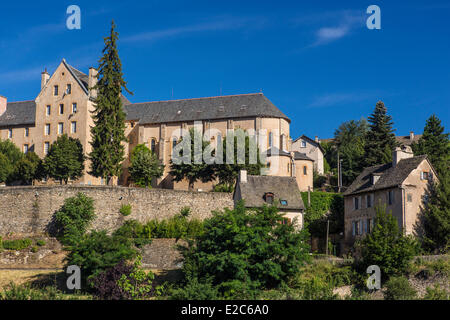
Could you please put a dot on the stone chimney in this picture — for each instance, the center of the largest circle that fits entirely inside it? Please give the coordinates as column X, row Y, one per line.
column 411, row 136
column 400, row 153
column 45, row 76
column 243, row 176
column 316, row 139
column 92, row 81
column 3, row 103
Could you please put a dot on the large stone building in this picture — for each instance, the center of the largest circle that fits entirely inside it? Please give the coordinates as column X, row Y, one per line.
column 65, row 103
column 400, row 185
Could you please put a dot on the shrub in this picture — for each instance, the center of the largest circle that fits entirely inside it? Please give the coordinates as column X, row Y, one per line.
column 40, row 242
column 34, row 249
column 399, row 288
column 138, row 233
column 106, row 285
column 125, row 209
column 436, row 293
column 317, row 289
column 17, row 245
column 73, row 219
column 223, row 187
column 26, row 292
column 195, row 290
column 138, row 283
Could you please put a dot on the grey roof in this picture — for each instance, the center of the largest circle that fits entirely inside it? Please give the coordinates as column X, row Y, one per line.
column 222, row 107
column 297, row 155
column 406, row 140
column 389, row 176
column 283, row 188
column 301, row 156
column 19, row 113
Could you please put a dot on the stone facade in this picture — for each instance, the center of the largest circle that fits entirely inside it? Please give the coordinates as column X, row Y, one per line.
column 28, row 210
column 312, row 149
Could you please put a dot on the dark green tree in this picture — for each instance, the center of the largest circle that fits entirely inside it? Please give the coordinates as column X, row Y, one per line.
column 386, row 246
column 183, row 161
column 28, row 168
column 435, row 218
column 108, row 132
column 145, row 166
column 65, row 159
column 10, row 155
column 434, row 143
column 6, row 168
column 380, row 139
column 229, row 170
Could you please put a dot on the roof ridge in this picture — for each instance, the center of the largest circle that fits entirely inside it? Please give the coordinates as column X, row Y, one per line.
column 232, row 95
column 20, row 101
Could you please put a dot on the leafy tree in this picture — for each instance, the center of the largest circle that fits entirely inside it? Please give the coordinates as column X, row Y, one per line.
column 380, row 139
column 187, row 168
column 28, row 168
column 108, row 131
column 248, row 246
column 229, row 170
column 6, row 168
column 10, row 155
column 434, row 143
column 137, row 283
column 65, row 159
column 73, row 218
column 386, row 246
column 435, row 218
column 145, row 166
column 349, row 140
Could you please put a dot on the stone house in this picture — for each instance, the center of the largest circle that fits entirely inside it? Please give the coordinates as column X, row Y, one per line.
column 400, row 185
column 65, row 102
column 312, row 149
column 257, row 191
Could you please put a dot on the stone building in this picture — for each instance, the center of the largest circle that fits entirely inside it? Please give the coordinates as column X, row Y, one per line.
column 283, row 192
column 65, row 102
column 400, row 185
column 312, row 149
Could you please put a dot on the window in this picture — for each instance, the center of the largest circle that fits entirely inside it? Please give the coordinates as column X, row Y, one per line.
column 409, row 197
column 25, row 148
column 48, row 110
column 74, row 108
column 288, row 167
column 270, row 139
column 303, row 144
column 60, row 128
column 305, row 170
column 55, row 90
column 73, row 127
column 174, row 143
column 369, row 223
column 9, row 133
column 219, row 139
column 47, row 129
column 27, row 132
column 46, row 147
column 391, row 197
column 153, row 145
column 424, row 175
column 69, row 89
column 369, row 200
column 356, row 203
column 353, row 228
column 365, row 226
column 283, row 202
column 357, row 231
column 268, row 165
column 268, row 197
column 61, row 109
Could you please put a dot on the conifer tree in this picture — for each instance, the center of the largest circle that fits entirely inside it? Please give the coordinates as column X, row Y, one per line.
column 434, row 143
column 108, row 132
column 380, row 139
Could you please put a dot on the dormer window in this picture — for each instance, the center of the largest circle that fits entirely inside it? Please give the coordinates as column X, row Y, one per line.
column 303, row 144
column 424, row 175
column 374, row 179
column 268, row 197
column 283, row 202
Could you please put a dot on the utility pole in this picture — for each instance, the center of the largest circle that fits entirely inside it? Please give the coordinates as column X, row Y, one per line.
column 339, row 172
column 328, row 230
column 309, row 196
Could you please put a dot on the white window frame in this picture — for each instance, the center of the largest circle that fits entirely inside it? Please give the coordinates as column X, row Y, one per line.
column 10, row 133
column 60, row 128
column 74, row 107
column 47, row 129
column 73, row 127
column 46, row 147
column 48, row 110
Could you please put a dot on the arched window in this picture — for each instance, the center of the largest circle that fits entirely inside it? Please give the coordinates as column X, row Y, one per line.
column 270, row 139
column 153, row 145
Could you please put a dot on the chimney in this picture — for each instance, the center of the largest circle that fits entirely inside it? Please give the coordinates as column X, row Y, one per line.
column 3, row 103
column 411, row 136
column 45, row 76
column 316, row 139
column 400, row 153
column 243, row 176
column 92, row 81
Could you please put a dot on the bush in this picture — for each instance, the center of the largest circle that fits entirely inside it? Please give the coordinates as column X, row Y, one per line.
column 138, row 283
column 135, row 231
column 223, row 187
column 398, row 288
column 125, row 209
column 73, row 219
column 317, row 289
column 436, row 293
column 193, row 289
column 40, row 242
column 106, row 285
column 17, row 245
column 26, row 292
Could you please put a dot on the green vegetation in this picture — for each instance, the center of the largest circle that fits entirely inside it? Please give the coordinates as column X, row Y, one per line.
column 18, row 244
column 145, row 166
column 436, row 293
column 125, row 209
column 398, row 288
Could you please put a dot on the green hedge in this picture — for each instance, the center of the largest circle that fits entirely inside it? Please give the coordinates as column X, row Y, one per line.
column 18, row 244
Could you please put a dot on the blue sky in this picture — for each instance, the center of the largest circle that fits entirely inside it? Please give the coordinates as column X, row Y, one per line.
column 315, row 60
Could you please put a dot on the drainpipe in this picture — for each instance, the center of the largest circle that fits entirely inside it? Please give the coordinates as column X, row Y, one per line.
column 403, row 207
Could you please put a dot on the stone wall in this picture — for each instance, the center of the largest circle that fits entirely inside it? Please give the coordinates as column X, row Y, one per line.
column 28, row 210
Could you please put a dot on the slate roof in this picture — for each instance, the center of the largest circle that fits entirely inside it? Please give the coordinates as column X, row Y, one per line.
column 283, row 188
column 406, row 140
column 222, row 107
column 278, row 152
column 19, row 113
column 389, row 176
column 301, row 156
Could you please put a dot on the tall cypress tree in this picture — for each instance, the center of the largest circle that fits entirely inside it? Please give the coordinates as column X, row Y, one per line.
column 108, row 132
column 380, row 139
column 434, row 143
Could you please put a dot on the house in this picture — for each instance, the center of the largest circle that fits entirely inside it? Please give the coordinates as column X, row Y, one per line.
column 409, row 139
column 257, row 191
column 312, row 149
column 400, row 185
column 66, row 100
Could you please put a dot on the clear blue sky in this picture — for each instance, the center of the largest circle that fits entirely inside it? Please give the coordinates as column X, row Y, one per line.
column 315, row 60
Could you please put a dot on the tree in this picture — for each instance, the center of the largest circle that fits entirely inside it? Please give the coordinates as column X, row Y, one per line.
column 108, row 131
column 6, row 168
column 349, row 140
column 380, row 139
column 229, row 170
column 10, row 155
column 28, row 168
column 186, row 167
column 435, row 218
column 386, row 246
column 250, row 247
column 434, row 143
column 145, row 166
column 65, row 159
